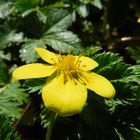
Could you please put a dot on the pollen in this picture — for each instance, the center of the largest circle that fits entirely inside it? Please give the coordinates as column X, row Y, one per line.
column 68, row 65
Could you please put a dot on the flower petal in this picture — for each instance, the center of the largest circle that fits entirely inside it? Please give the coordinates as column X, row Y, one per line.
column 35, row 70
column 64, row 98
column 99, row 84
column 47, row 56
column 85, row 63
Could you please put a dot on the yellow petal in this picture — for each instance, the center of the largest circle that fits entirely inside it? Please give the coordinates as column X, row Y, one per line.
column 35, row 70
column 64, row 98
column 138, row 20
column 85, row 63
column 99, row 84
column 47, row 56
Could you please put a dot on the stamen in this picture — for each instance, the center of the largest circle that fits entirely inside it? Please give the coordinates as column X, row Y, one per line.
column 78, row 61
column 53, row 60
column 71, row 68
column 81, row 77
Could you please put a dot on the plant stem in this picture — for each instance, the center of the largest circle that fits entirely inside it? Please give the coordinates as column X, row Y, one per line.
column 50, row 126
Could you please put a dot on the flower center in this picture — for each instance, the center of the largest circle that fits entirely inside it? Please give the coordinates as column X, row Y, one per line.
column 68, row 65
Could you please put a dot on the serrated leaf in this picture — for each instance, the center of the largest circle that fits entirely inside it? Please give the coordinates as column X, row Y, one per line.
column 5, row 56
column 97, row 3
column 6, row 130
column 15, row 93
column 6, row 8
column 35, row 8
column 10, row 37
column 134, row 53
column 41, row 16
column 106, row 58
column 135, row 133
column 35, row 84
column 58, row 20
column 110, row 65
column 97, row 119
column 11, row 99
column 27, row 52
column 132, row 74
column 82, row 10
column 27, row 12
column 24, row 5
column 45, row 117
column 63, row 42
column 89, row 51
column 112, row 104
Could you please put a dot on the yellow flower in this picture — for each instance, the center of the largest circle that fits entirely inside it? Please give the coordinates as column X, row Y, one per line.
column 69, row 78
column 138, row 20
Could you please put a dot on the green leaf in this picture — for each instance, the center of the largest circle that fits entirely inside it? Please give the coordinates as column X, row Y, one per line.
column 90, row 51
column 120, row 135
column 82, row 10
column 35, row 84
column 112, row 104
column 6, row 130
column 135, row 133
column 10, row 37
column 24, row 5
column 63, row 41
column 5, row 56
column 11, row 99
column 55, row 36
column 132, row 74
column 6, row 8
column 27, row 12
column 27, row 52
column 110, row 65
column 4, row 75
column 97, row 119
column 59, row 5
column 134, row 53
column 58, row 20
column 41, row 16
column 45, row 116
column 97, row 3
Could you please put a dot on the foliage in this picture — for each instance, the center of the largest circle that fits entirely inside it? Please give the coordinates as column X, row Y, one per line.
column 6, row 131
column 106, row 31
column 134, row 52
column 11, row 98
